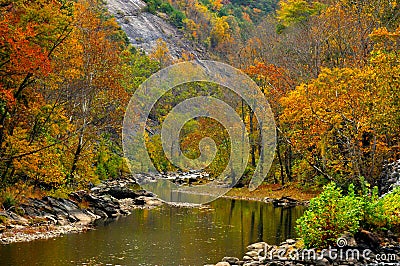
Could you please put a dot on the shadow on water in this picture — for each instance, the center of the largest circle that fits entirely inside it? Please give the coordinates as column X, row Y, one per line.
column 164, row 236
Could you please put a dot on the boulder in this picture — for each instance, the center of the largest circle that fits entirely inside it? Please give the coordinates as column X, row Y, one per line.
column 230, row 260
column 122, row 193
column 223, row 263
column 259, row 245
column 367, row 238
column 285, row 202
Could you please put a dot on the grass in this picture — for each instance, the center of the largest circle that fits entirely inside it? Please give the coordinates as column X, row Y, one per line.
column 274, row 191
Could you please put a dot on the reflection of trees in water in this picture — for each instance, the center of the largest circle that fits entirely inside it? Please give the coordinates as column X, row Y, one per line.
column 261, row 226
column 257, row 221
column 286, row 224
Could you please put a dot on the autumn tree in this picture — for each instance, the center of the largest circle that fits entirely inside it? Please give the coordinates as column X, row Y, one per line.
column 67, row 72
column 31, row 33
column 345, row 123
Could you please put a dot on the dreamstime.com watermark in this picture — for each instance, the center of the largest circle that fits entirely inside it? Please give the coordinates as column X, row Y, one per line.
column 208, row 72
column 342, row 253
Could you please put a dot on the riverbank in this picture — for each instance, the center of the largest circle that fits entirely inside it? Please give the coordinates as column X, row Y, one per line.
column 51, row 217
column 365, row 248
column 269, row 192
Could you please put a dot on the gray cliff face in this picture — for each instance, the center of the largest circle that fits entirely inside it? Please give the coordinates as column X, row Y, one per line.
column 144, row 29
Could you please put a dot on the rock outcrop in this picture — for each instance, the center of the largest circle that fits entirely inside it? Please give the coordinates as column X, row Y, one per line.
column 55, row 216
column 390, row 178
column 144, row 29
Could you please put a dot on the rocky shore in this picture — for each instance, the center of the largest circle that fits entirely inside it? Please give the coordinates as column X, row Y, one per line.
column 363, row 249
column 51, row 217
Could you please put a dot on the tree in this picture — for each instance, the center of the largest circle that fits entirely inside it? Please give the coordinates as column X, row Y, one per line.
column 339, row 120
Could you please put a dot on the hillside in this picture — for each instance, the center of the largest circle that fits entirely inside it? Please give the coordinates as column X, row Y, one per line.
column 144, row 29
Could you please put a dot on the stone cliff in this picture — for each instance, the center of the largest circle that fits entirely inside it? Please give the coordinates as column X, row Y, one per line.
column 144, row 29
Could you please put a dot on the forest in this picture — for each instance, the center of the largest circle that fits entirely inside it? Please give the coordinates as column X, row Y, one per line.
column 328, row 68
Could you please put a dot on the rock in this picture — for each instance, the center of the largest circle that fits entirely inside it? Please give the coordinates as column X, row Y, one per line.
column 122, row 193
column 231, row 260
column 82, row 218
column 153, row 201
column 144, row 29
column 252, row 253
column 268, row 200
column 140, row 200
column 67, row 205
column 223, row 263
column 16, row 218
column 144, row 193
column 274, row 264
column 74, row 214
column 291, row 241
column 100, row 213
column 247, row 258
column 253, row 263
column 390, row 177
column 322, row 262
column 259, row 245
column 348, row 240
column 62, row 220
column 368, row 238
column 285, row 202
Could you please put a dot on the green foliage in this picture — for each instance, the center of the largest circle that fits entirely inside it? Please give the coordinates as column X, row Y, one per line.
column 297, row 11
column 328, row 216
column 391, row 208
column 109, row 159
column 61, row 192
column 256, row 10
column 160, row 161
column 176, row 17
column 8, row 201
column 332, row 213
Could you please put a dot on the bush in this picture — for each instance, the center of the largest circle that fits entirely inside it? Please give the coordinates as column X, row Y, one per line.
column 329, row 215
column 177, row 18
column 332, row 214
column 391, row 208
column 8, row 201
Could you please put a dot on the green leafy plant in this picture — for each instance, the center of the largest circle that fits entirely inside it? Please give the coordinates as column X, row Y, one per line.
column 391, row 208
column 328, row 216
column 8, row 201
column 332, row 213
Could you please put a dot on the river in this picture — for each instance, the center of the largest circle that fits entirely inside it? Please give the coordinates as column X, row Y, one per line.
column 164, row 236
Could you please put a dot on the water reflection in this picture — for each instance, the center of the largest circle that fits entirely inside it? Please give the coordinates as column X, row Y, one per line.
column 165, row 236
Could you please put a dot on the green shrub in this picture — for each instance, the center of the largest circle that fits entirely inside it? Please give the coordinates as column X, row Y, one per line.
column 177, row 18
column 166, row 8
column 109, row 160
column 329, row 215
column 8, row 201
column 373, row 208
column 332, row 214
column 391, row 208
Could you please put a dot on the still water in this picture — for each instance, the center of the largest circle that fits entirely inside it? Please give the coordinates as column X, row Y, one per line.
column 164, row 236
